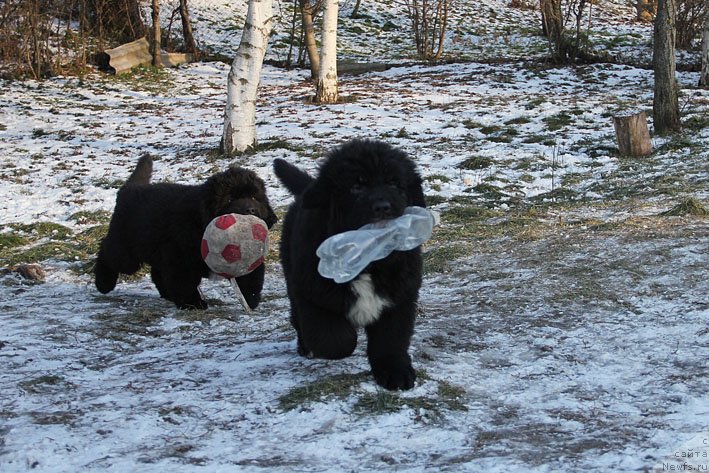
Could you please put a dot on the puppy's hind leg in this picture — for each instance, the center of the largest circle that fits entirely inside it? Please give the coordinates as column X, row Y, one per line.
column 157, row 277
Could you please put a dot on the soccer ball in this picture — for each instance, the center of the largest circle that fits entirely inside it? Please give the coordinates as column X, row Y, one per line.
column 234, row 245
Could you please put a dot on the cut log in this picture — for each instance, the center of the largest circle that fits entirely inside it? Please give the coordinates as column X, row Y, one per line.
column 136, row 53
column 632, row 134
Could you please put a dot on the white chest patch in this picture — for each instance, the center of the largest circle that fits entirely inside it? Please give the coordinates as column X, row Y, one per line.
column 368, row 306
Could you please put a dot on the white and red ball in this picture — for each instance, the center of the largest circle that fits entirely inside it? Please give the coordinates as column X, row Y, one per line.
column 234, row 245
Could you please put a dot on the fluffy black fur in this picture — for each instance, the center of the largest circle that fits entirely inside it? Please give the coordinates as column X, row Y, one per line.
column 162, row 225
column 358, row 183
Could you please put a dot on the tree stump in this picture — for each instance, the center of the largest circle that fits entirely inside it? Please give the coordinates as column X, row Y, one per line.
column 632, row 134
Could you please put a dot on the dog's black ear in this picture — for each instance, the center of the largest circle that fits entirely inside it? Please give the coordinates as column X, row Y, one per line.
column 415, row 192
column 317, row 195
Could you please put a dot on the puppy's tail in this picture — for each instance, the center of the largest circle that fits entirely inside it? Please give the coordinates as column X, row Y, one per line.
column 142, row 172
column 295, row 179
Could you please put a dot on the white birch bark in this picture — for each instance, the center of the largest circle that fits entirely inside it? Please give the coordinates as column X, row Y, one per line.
column 704, row 78
column 327, row 79
column 242, row 83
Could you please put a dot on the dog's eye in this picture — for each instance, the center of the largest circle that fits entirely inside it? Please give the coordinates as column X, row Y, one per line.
column 394, row 183
column 358, row 187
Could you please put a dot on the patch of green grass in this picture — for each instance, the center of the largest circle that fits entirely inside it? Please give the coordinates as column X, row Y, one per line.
column 466, row 214
column 476, row 162
column 56, row 250
column 472, row 124
column 105, row 183
column 518, row 121
column 448, row 397
column 63, row 245
column 537, row 138
column 43, row 229
column 156, row 80
column 125, row 326
column 490, row 129
column 438, row 260
column 489, row 191
column 696, row 122
column 558, row 121
column 433, row 200
column 534, row 103
column 337, row 387
column 86, row 217
column 688, row 206
column 276, row 143
column 45, row 384
column 11, row 240
column 437, row 177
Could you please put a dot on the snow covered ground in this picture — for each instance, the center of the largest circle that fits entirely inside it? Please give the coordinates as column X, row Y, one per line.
column 564, row 320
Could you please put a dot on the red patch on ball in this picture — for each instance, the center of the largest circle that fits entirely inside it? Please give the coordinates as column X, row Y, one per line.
column 231, row 253
column 234, row 245
column 259, row 232
column 225, row 221
column 204, row 248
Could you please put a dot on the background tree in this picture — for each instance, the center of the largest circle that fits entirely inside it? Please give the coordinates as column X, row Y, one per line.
column 665, row 104
column 327, row 78
column 114, row 21
column 553, row 27
column 155, row 40
column 704, row 77
column 689, row 21
column 187, row 34
column 429, row 20
column 309, row 9
column 239, row 132
column 355, row 9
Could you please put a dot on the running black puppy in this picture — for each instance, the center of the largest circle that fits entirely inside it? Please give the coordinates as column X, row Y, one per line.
column 162, row 225
column 358, row 183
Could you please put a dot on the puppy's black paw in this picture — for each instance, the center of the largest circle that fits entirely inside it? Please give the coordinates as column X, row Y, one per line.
column 394, row 374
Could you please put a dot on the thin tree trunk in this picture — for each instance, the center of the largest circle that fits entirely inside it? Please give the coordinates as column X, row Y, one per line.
column 704, row 78
column 327, row 79
column 242, row 83
column 665, row 104
column 155, row 43
column 444, row 24
column 355, row 10
column 190, row 44
column 308, row 11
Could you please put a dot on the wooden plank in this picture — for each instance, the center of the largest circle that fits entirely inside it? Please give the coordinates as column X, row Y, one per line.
column 127, row 56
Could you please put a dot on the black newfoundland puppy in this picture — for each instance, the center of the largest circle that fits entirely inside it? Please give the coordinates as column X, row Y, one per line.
column 162, row 225
column 358, row 183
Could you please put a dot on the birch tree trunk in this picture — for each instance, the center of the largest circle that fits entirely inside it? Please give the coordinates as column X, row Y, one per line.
column 327, row 78
column 704, row 78
column 665, row 104
column 242, row 83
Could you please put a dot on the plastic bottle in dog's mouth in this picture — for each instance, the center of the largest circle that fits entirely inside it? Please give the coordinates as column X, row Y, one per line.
column 345, row 255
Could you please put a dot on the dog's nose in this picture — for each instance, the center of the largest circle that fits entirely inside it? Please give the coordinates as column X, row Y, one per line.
column 381, row 209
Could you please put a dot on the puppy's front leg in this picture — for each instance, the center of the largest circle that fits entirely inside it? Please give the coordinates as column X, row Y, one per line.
column 251, row 285
column 388, row 344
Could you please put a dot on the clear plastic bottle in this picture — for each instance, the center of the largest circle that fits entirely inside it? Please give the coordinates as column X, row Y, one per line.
column 345, row 255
